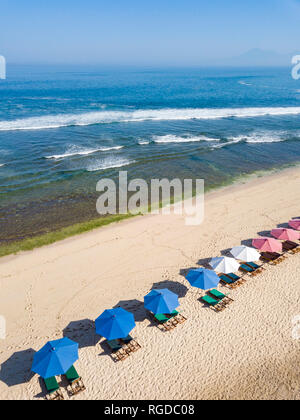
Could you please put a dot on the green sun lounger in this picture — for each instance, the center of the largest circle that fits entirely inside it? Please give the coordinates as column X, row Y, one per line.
column 217, row 295
column 117, row 348
column 54, row 392
column 130, row 344
column 227, row 280
column 216, row 304
column 220, row 296
column 233, row 276
column 127, row 339
column 247, row 269
column 162, row 318
column 253, row 265
column 114, row 345
column 169, row 321
column 72, row 375
column 75, row 381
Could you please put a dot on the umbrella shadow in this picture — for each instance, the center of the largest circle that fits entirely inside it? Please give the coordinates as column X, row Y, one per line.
column 283, row 225
column 184, row 271
column 136, row 307
column 265, row 233
column 82, row 332
column 17, row 369
column 247, row 242
column 174, row 286
column 226, row 252
column 204, row 262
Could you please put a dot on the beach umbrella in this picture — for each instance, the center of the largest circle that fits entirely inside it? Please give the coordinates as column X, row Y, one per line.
column 224, row 265
column 267, row 244
column 295, row 224
column 161, row 301
column 286, row 234
column 245, row 253
column 203, row 278
column 115, row 323
column 55, row 358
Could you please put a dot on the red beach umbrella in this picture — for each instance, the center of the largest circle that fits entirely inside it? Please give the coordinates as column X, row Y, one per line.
column 267, row 244
column 295, row 224
column 286, row 234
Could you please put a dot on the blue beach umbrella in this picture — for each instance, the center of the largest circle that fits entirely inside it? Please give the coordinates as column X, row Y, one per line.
column 161, row 301
column 203, row 278
column 55, row 358
column 115, row 323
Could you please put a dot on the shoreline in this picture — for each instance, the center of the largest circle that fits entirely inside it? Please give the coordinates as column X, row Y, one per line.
column 78, row 229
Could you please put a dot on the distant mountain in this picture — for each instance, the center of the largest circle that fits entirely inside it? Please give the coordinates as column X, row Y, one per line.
column 258, row 57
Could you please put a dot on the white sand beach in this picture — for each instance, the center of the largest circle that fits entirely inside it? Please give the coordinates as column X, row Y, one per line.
column 245, row 352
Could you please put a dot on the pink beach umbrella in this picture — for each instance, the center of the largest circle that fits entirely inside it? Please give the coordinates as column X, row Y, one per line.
column 286, row 234
column 267, row 244
column 295, row 224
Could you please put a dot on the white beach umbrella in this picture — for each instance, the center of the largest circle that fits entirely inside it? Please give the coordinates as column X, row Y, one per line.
column 245, row 253
column 224, row 265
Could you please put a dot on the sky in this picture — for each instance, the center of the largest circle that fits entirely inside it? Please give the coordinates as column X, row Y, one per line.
column 141, row 32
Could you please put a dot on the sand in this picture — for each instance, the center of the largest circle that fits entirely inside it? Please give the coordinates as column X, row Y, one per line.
column 245, row 352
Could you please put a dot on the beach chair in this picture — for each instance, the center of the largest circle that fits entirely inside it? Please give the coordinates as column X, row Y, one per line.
column 252, row 270
column 117, row 349
column 254, row 265
column 233, row 277
column 130, row 345
column 289, row 246
column 169, row 321
column 215, row 294
column 54, row 392
column 165, row 320
column 270, row 257
column 75, row 382
column 213, row 303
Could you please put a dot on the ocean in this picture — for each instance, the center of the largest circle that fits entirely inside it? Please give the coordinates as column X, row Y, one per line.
column 63, row 129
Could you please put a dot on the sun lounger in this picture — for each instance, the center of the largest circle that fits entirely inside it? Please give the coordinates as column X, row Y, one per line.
column 246, row 269
column 117, row 349
column 216, row 304
column 231, row 282
column 291, row 246
column 272, row 257
column 75, row 381
column 254, row 265
column 169, row 321
column 253, row 270
column 233, row 276
column 54, row 392
column 220, row 296
column 130, row 345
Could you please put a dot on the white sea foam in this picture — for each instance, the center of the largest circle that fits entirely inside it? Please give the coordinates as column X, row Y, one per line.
column 244, row 83
column 2, row 164
column 75, row 151
column 143, row 143
column 104, row 117
column 178, row 139
column 108, row 164
column 258, row 137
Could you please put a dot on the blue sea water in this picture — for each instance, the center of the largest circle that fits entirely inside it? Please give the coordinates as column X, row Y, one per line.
column 62, row 129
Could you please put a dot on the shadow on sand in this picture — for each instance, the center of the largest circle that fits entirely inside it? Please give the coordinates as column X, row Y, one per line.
column 82, row 332
column 174, row 286
column 17, row 369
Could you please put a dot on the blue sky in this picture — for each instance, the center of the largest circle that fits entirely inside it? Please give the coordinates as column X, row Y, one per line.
column 141, row 32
